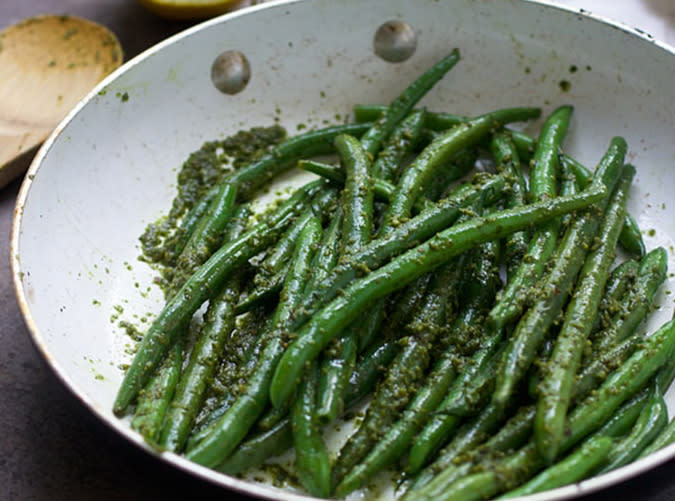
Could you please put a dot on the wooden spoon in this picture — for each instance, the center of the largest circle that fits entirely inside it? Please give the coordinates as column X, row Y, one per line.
column 47, row 64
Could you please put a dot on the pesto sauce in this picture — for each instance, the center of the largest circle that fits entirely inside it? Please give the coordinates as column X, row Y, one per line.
column 203, row 169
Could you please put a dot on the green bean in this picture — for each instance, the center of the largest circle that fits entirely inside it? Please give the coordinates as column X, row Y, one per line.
column 336, row 369
column 206, row 281
column 651, row 274
column 154, row 399
column 462, row 163
column 311, row 455
column 175, row 244
column 277, row 257
column 369, row 368
column 397, row 438
column 625, row 416
column 271, row 271
column 403, row 104
column 233, row 426
column 618, row 283
column 257, row 449
column 357, row 204
column 357, row 195
column 631, row 236
column 284, row 156
column 508, row 163
column 573, row 468
column 433, row 120
column 332, row 318
column 189, row 395
column 559, row 374
column 470, row 398
column 553, row 293
column 271, row 418
column 401, row 142
column 665, row 438
column 568, row 186
column 206, row 236
column 652, row 420
column 598, row 368
column 543, row 243
column 435, row 156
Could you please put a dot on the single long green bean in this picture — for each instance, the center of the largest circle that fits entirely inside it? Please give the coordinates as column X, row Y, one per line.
column 311, row 455
column 508, row 163
column 207, row 235
column 154, row 399
column 331, row 319
column 357, row 195
column 651, row 274
column 401, row 142
column 357, row 205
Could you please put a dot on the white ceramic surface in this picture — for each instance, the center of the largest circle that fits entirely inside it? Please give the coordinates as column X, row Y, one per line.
column 110, row 167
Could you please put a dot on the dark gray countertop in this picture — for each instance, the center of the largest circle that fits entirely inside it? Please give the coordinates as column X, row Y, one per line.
column 52, row 447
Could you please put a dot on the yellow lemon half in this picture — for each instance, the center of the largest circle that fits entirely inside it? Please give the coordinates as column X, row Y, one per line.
column 191, row 9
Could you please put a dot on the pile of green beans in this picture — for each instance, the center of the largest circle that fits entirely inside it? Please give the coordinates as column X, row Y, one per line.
column 485, row 325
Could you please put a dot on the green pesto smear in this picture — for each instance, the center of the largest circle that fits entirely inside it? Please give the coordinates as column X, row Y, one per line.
column 162, row 240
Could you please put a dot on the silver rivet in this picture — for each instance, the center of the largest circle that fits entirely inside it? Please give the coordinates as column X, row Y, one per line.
column 230, row 72
column 395, row 41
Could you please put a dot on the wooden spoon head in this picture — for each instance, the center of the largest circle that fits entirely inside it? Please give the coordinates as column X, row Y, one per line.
column 47, row 64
